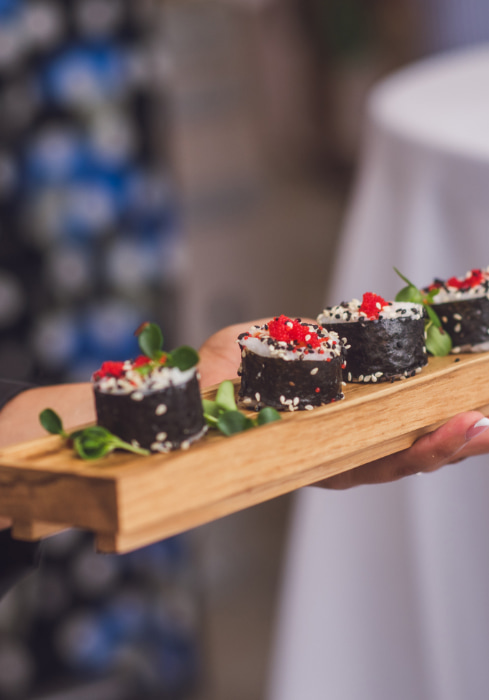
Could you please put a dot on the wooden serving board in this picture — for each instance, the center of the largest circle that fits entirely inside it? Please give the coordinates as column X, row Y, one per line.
column 130, row 501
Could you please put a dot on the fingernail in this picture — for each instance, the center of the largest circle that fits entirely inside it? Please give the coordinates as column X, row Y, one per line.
column 477, row 428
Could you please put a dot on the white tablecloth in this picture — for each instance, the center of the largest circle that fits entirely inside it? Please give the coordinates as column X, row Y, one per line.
column 386, row 588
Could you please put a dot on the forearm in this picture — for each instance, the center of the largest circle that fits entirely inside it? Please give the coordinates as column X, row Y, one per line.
column 19, row 419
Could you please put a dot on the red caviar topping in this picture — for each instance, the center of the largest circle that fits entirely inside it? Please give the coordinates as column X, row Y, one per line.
column 317, row 390
column 372, row 305
column 140, row 361
column 110, row 369
column 282, row 328
column 473, row 279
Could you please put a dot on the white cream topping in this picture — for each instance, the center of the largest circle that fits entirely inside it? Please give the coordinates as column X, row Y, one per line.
column 350, row 312
column 133, row 381
column 448, row 293
column 260, row 342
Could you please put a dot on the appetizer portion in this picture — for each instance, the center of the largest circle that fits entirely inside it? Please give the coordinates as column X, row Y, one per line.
column 462, row 304
column 386, row 339
column 290, row 365
column 153, row 401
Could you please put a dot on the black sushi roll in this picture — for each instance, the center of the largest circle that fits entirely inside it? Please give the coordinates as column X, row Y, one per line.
column 384, row 340
column 290, row 365
column 149, row 405
column 462, row 304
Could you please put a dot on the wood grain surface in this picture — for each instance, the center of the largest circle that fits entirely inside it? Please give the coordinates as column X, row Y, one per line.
column 130, row 501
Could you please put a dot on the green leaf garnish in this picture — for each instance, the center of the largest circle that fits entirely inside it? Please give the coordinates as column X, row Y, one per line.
column 150, row 339
column 438, row 342
column 51, row 422
column 93, row 442
column 433, row 316
column 410, row 293
column 96, row 442
column 232, row 422
column 224, row 415
column 211, row 412
column 225, row 396
column 183, row 357
column 268, row 415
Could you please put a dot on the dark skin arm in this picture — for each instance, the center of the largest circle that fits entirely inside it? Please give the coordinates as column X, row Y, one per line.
column 464, row 435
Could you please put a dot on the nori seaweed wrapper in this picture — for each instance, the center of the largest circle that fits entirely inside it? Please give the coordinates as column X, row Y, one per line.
column 466, row 321
column 386, row 349
column 129, row 419
column 297, row 381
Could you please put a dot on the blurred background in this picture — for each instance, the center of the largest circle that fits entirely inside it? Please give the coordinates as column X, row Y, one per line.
column 187, row 162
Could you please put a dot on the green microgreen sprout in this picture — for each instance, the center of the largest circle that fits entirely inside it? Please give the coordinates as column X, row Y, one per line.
column 89, row 443
column 150, row 339
column 224, row 415
column 438, row 342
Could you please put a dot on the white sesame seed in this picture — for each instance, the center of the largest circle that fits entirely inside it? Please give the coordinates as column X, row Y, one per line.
column 247, row 399
column 379, row 374
column 156, row 446
column 291, row 407
column 137, row 396
column 296, row 401
column 367, row 378
column 243, row 353
column 309, row 407
column 282, row 399
column 161, row 437
column 458, row 328
column 161, row 409
column 257, row 396
column 315, row 370
column 360, row 378
column 373, row 378
column 308, row 337
column 349, row 376
column 185, row 445
column 135, row 443
column 457, row 317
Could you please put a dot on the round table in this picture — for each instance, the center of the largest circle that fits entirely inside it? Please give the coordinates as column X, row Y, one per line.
column 386, row 588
